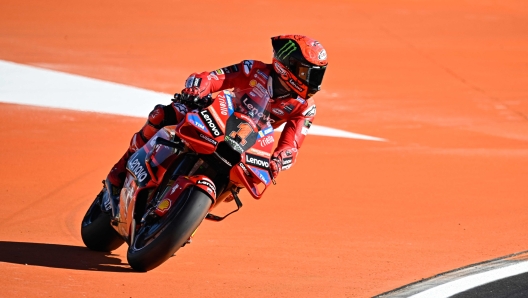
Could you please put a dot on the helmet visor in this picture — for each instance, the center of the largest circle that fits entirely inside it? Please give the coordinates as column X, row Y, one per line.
column 310, row 74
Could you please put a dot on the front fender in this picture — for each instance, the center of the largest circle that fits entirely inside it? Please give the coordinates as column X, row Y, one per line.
column 179, row 186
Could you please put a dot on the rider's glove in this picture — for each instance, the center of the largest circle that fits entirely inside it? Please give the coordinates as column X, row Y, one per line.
column 275, row 167
column 191, row 95
column 196, row 89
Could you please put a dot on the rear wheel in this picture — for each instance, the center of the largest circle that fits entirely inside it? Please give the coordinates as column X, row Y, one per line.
column 96, row 231
column 159, row 238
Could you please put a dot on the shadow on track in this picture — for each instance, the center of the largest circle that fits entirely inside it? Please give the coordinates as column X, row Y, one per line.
column 60, row 256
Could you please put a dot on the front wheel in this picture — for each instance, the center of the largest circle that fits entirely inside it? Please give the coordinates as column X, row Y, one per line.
column 157, row 240
column 96, row 231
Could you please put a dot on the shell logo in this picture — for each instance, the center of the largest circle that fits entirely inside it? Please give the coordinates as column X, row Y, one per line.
column 252, row 83
column 164, row 205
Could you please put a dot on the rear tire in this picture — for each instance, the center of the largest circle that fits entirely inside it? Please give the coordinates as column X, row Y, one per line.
column 96, row 231
column 157, row 241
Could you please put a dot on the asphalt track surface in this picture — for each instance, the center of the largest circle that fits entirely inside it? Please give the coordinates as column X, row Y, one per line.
column 445, row 82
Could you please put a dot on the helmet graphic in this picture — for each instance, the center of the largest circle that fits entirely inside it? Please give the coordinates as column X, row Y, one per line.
column 300, row 61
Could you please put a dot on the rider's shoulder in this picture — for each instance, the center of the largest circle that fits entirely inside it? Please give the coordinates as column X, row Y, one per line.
column 250, row 66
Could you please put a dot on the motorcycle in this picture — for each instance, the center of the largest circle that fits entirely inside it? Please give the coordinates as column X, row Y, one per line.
column 181, row 174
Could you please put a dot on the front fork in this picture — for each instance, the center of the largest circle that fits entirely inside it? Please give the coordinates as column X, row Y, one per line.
column 231, row 193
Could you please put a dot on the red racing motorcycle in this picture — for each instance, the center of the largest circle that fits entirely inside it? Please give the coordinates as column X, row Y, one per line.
column 183, row 172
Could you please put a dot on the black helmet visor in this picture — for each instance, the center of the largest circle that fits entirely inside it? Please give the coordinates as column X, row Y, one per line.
column 310, row 74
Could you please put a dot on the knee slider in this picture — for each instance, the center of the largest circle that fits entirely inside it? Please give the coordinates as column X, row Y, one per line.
column 156, row 116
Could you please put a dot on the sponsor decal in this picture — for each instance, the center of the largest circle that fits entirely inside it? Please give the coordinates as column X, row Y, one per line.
column 322, row 55
column 236, row 146
column 279, row 69
column 106, row 202
column 248, row 64
column 137, row 168
column 307, row 123
column 219, row 71
column 261, row 89
column 243, row 166
column 310, row 111
column 257, row 161
column 223, row 105
column 212, row 75
column 287, row 163
column 277, row 111
column 165, row 204
column 268, row 130
column 253, row 83
column 286, row 50
column 262, row 174
column 266, row 141
column 174, row 188
column 259, row 152
column 217, row 118
column 229, row 101
column 208, row 139
column 211, row 187
column 258, row 91
column 197, row 121
column 289, row 108
column 253, row 108
column 262, row 75
column 299, row 99
column 197, row 82
column 211, row 123
column 295, row 84
column 304, row 130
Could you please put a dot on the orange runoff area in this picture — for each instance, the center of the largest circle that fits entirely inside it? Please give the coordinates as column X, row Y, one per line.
column 445, row 82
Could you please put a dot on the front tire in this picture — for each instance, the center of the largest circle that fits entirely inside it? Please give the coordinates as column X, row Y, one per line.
column 157, row 241
column 96, row 231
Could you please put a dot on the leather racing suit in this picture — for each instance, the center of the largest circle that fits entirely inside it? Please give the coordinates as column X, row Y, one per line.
column 295, row 112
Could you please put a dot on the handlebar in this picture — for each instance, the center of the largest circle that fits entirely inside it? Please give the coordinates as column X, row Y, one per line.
column 193, row 101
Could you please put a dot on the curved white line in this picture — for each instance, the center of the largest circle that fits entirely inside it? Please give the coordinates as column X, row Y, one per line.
column 23, row 84
column 463, row 284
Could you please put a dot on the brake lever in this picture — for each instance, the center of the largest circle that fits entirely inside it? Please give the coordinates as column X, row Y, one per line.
column 271, row 175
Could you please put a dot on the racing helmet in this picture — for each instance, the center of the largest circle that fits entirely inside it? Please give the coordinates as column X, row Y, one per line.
column 300, row 62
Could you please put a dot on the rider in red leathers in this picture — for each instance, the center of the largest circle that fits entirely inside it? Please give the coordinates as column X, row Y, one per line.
column 295, row 75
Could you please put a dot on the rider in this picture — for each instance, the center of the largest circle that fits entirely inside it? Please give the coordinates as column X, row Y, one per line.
column 295, row 75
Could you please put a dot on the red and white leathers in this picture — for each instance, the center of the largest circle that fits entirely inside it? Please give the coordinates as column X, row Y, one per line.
column 297, row 113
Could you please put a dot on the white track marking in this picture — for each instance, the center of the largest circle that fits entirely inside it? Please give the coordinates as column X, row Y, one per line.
column 472, row 281
column 23, row 84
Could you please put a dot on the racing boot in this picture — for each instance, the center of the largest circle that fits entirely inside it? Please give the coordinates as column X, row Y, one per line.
column 113, row 185
column 109, row 200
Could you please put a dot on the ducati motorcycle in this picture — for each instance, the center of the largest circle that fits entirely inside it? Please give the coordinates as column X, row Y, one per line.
column 176, row 179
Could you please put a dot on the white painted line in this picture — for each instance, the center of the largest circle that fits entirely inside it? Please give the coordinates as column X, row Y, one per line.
column 472, row 281
column 23, row 84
